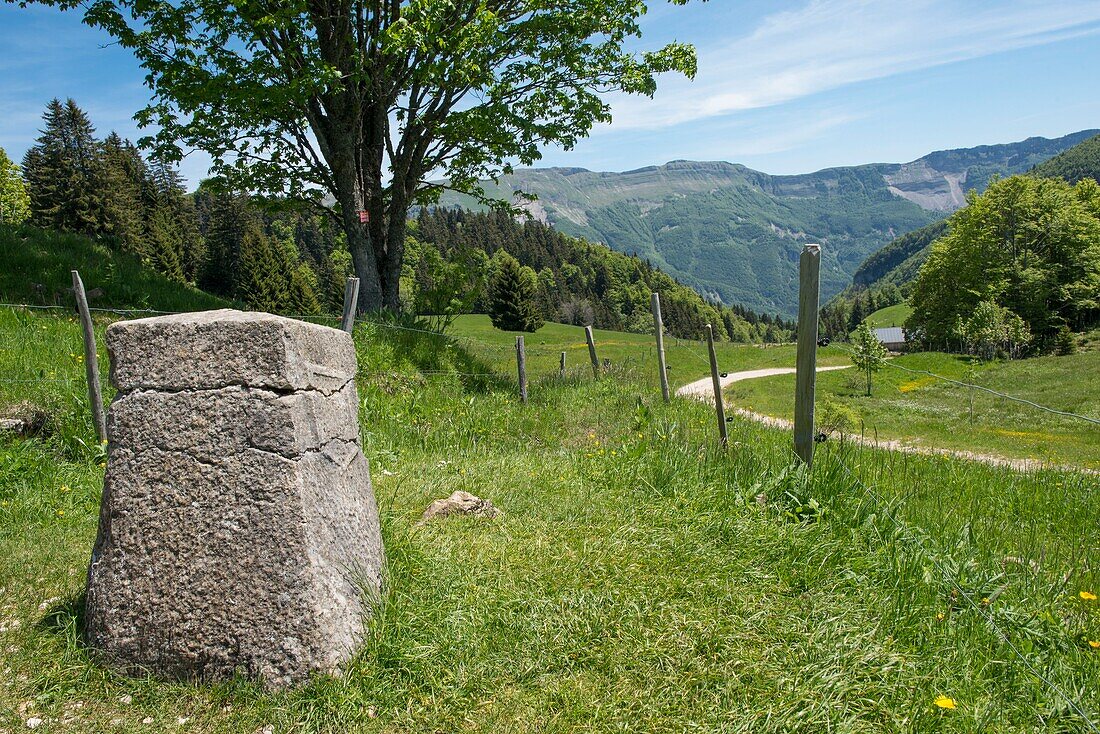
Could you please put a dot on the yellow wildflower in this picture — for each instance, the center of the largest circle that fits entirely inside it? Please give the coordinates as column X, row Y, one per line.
column 1094, row 644
column 946, row 703
column 940, row 616
column 1087, row 596
column 60, row 513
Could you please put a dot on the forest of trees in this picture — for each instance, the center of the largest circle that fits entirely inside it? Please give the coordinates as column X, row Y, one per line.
column 271, row 255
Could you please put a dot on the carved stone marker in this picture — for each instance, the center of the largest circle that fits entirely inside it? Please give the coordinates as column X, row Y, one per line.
column 239, row 532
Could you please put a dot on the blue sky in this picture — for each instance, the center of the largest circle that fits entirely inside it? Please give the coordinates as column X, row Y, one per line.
column 784, row 87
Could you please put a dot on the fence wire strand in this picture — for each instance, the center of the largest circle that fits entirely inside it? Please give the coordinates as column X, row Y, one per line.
column 884, row 507
column 1006, row 396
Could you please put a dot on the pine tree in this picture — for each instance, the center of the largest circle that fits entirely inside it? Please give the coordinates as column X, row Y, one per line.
column 14, row 202
column 513, row 295
column 180, row 241
column 229, row 218
column 124, row 211
column 257, row 282
column 857, row 315
column 64, row 172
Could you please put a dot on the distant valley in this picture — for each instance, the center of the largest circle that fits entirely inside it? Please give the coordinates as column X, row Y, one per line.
column 735, row 233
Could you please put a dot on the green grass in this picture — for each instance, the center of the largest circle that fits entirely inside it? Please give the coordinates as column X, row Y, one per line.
column 35, row 268
column 890, row 316
column 640, row 580
column 925, row 411
column 635, row 353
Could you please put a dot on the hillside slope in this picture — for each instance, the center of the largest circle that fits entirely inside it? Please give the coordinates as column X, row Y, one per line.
column 35, row 268
column 1080, row 161
column 735, row 233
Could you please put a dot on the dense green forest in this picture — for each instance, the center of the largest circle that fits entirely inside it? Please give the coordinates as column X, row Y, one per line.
column 1079, row 162
column 454, row 252
column 270, row 255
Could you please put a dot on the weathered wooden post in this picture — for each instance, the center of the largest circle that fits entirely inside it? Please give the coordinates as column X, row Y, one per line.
column 716, row 382
column 521, row 368
column 561, row 366
column 351, row 302
column 91, row 359
column 809, row 266
column 592, row 352
column 659, row 329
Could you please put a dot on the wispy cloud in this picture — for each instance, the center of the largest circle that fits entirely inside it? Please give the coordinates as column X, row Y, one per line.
column 826, row 44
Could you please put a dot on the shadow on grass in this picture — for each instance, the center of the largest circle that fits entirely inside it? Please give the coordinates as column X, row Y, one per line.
column 66, row 619
column 438, row 354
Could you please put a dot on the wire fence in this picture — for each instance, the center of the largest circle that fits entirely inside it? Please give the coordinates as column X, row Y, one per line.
column 885, row 508
column 1023, row 401
column 692, row 349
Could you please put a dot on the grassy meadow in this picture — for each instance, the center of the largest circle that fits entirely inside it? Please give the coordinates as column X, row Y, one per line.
column 924, row 411
column 640, row 579
column 890, row 316
column 633, row 353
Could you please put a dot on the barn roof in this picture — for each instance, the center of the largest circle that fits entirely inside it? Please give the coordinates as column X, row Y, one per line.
column 890, row 335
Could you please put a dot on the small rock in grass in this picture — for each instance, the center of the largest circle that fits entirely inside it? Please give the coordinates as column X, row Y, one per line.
column 127, row 699
column 459, row 503
column 24, row 419
column 34, row 722
column 147, row 720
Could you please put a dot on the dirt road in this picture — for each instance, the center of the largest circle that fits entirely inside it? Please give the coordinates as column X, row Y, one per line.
column 703, row 390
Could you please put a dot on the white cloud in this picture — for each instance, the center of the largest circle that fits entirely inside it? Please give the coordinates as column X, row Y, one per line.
column 827, row 44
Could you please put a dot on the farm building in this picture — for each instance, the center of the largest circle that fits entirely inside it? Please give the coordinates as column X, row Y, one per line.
column 893, row 338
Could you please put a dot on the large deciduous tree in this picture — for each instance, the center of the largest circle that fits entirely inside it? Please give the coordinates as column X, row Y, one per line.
column 363, row 101
column 1030, row 245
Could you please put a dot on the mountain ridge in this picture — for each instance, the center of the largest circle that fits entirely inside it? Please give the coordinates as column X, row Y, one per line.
column 734, row 233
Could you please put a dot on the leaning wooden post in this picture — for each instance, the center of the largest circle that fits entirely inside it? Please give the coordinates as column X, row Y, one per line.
column 659, row 329
column 809, row 265
column 561, row 366
column 91, row 359
column 521, row 369
column 351, row 302
column 592, row 352
column 716, row 382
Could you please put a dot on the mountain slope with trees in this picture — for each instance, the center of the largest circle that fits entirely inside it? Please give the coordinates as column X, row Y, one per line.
column 888, row 275
column 735, row 233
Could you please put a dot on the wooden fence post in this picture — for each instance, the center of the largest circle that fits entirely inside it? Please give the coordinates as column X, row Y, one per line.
column 351, row 302
column 521, row 368
column 91, row 359
column 809, row 265
column 659, row 329
column 561, row 366
column 592, row 352
column 716, row 382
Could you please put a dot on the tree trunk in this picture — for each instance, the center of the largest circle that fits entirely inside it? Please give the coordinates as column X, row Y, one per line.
column 362, row 257
column 390, row 268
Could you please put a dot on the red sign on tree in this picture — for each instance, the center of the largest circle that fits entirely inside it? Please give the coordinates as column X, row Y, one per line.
column 364, row 216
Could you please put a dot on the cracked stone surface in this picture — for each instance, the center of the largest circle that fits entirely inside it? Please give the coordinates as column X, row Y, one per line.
column 238, row 533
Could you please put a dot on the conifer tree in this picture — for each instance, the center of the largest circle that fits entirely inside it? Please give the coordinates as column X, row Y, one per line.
column 63, row 172
column 123, row 179
column 229, row 218
column 513, row 295
column 257, row 282
column 14, row 202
